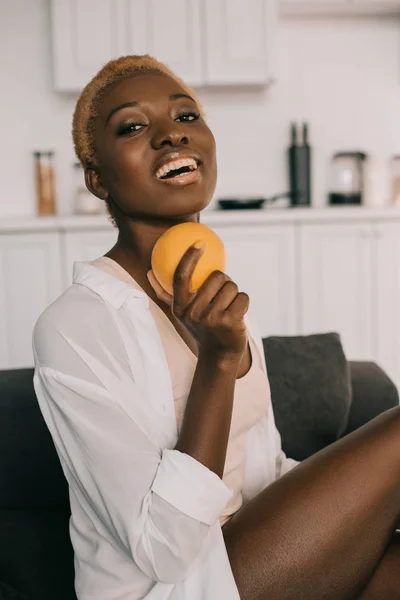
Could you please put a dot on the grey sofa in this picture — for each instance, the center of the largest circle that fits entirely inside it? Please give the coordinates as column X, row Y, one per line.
column 36, row 558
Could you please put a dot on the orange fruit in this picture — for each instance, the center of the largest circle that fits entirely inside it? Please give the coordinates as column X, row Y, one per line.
column 172, row 245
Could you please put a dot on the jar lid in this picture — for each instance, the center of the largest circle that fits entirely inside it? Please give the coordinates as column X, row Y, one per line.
column 39, row 153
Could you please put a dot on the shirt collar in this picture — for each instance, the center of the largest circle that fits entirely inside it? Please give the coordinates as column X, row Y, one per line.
column 111, row 289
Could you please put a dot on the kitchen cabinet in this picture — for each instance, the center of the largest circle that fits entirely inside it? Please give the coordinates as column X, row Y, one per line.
column 89, row 33
column 261, row 260
column 85, row 245
column 387, row 293
column 206, row 42
column 85, row 35
column 336, row 283
column 339, row 7
column 170, row 31
column 305, row 270
column 30, row 280
column 239, row 40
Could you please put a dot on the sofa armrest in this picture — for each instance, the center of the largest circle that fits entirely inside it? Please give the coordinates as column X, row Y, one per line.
column 373, row 393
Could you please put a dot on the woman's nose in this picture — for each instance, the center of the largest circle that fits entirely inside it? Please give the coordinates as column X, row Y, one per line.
column 169, row 135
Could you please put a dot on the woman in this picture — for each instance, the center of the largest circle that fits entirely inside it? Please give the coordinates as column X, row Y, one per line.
column 159, row 406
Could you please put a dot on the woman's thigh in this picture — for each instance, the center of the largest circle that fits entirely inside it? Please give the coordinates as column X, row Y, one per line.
column 320, row 531
column 385, row 582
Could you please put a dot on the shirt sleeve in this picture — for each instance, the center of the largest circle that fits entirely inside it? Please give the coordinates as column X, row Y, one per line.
column 156, row 505
column 283, row 463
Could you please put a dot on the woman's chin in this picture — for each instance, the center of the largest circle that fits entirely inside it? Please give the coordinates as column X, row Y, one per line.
column 173, row 203
column 190, row 207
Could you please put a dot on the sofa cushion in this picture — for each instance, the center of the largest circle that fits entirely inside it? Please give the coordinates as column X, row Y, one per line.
column 373, row 393
column 311, row 391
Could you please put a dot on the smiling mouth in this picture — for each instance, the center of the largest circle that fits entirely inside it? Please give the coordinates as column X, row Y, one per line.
column 177, row 168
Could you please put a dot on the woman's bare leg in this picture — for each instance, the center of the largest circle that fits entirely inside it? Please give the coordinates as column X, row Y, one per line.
column 385, row 583
column 320, row 532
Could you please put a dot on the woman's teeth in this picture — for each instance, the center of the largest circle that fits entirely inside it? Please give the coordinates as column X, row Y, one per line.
column 188, row 164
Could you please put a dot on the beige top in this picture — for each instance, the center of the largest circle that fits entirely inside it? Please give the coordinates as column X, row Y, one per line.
column 251, row 391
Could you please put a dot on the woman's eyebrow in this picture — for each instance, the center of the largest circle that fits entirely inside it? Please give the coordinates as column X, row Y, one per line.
column 120, row 107
column 134, row 103
column 177, row 96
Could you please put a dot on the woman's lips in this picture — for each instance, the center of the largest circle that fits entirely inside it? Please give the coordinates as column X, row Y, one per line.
column 183, row 178
column 189, row 163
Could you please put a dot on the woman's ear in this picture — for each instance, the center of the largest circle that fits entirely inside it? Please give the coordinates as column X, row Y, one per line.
column 94, row 184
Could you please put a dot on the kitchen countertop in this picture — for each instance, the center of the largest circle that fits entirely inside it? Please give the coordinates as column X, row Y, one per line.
column 213, row 218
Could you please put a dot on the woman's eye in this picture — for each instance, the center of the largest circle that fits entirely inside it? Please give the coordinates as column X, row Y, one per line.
column 187, row 117
column 130, row 128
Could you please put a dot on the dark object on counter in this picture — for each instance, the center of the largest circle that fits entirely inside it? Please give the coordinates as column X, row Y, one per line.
column 236, row 203
column 299, row 155
column 249, row 203
column 45, row 190
column 347, row 178
column 344, row 199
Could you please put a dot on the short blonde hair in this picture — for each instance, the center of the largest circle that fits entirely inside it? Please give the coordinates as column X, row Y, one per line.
column 86, row 109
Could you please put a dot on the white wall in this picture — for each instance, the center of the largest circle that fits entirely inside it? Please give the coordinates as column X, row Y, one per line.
column 342, row 76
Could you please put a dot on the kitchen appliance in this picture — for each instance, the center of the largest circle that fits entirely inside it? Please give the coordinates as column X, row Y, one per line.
column 347, row 178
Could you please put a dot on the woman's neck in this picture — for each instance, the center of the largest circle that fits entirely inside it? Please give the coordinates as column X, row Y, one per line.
column 136, row 240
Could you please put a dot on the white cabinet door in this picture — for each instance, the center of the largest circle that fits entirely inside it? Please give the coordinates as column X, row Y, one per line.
column 85, row 35
column 213, row 42
column 81, row 246
column 171, row 31
column 239, row 41
column 388, row 299
column 261, row 260
column 30, row 279
column 336, row 272
column 89, row 33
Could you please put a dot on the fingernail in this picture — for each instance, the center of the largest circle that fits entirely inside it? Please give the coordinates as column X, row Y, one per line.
column 199, row 245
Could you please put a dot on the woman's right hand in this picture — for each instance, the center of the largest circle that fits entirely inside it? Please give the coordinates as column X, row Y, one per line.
column 214, row 315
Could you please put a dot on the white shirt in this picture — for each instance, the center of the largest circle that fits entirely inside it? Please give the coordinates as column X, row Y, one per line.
column 144, row 517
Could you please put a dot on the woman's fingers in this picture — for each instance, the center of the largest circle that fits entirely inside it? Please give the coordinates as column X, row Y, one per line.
column 229, row 306
column 239, row 306
column 215, row 294
column 159, row 290
column 183, row 278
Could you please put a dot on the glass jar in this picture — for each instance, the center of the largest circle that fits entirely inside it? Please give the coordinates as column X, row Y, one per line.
column 44, row 177
column 395, row 167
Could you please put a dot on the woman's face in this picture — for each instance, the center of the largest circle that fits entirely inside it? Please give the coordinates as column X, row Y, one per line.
column 156, row 154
